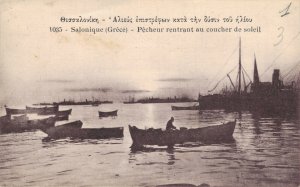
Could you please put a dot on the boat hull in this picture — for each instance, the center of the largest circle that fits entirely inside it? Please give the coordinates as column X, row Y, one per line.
column 159, row 137
column 107, row 114
column 21, row 125
column 83, row 133
column 13, row 111
column 49, row 111
column 42, row 110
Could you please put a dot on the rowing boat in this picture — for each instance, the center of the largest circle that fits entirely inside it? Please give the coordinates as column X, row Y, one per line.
column 49, row 111
column 160, row 137
column 75, row 131
column 21, row 124
column 107, row 114
column 14, row 111
column 185, row 107
column 42, row 110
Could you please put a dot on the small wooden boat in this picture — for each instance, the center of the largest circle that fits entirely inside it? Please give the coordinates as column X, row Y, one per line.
column 74, row 130
column 185, row 107
column 95, row 104
column 163, row 137
column 58, row 113
column 32, row 110
column 42, row 110
column 107, row 114
column 23, row 124
column 13, row 111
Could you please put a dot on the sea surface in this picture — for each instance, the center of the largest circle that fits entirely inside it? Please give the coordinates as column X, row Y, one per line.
column 265, row 152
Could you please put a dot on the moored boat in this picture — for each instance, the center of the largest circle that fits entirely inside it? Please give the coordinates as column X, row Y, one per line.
column 74, row 130
column 13, row 111
column 107, row 114
column 22, row 124
column 42, row 110
column 57, row 113
column 217, row 133
column 196, row 107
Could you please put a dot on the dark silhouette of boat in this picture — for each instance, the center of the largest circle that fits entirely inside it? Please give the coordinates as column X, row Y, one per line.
column 270, row 97
column 185, row 107
column 74, row 130
column 13, row 111
column 217, row 133
column 107, row 114
column 11, row 124
column 42, row 110
column 58, row 113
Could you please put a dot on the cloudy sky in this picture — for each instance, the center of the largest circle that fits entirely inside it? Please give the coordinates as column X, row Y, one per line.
column 37, row 65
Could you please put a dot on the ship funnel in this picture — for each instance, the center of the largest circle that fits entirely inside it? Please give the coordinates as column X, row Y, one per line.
column 275, row 78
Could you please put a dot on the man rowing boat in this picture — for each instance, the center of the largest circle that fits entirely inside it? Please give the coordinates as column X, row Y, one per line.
column 170, row 125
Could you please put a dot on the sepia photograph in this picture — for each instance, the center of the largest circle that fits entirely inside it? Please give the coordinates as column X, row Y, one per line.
column 161, row 93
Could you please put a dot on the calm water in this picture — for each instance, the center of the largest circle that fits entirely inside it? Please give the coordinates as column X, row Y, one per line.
column 265, row 152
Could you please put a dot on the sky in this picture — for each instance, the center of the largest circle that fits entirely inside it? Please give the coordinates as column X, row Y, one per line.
column 41, row 66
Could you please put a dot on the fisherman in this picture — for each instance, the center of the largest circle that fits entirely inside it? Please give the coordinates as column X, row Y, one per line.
column 170, row 125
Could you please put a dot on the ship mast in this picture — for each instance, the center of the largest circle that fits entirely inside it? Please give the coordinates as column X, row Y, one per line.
column 240, row 67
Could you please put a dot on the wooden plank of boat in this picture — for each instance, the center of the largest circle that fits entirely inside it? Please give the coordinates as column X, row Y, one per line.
column 185, row 107
column 107, row 114
column 13, row 111
column 13, row 125
column 160, row 137
column 65, row 131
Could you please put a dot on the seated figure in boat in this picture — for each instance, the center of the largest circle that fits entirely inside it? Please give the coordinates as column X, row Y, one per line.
column 170, row 125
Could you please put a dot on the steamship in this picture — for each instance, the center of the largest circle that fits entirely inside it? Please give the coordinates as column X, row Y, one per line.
column 269, row 97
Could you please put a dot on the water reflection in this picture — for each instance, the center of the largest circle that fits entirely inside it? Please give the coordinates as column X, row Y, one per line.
column 171, row 159
column 48, row 142
column 264, row 152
